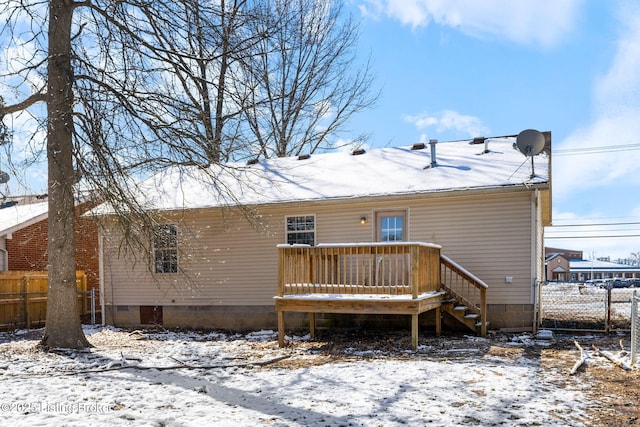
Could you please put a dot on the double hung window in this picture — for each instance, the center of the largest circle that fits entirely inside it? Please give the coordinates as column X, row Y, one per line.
column 301, row 230
column 165, row 249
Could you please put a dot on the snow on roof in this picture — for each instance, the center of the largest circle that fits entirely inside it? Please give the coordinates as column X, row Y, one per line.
column 341, row 175
column 16, row 216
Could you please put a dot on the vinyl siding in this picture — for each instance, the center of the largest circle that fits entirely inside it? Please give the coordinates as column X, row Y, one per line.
column 229, row 262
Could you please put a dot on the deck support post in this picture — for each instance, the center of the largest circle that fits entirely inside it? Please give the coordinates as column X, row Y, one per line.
column 414, row 331
column 280, row 328
column 312, row 324
column 438, row 321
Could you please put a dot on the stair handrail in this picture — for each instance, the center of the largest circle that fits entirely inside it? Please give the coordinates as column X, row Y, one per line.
column 478, row 283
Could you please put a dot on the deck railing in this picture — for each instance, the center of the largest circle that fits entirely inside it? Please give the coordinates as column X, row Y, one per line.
column 466, row 288
column 398, row 268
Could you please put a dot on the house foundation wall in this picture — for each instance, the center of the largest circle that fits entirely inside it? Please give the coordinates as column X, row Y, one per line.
column 514, row 317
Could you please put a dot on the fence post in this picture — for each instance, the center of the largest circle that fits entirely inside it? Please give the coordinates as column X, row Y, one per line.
column 634, row 327
column 93, row 306
column 607, row 322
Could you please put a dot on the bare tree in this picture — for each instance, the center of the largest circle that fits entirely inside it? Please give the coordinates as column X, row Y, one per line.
column 635, row 258
column 305, row 83
column 107, row 89
column 132, row 87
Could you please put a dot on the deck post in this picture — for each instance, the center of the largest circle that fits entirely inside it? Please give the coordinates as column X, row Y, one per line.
column 414, row 331
column 280, row 328
column 312, row 324
column 483, row 318
column 438, row 322
column 414, row 256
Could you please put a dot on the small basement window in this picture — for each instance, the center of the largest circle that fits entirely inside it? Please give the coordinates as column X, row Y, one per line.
column 301, row 230
column 165, row 249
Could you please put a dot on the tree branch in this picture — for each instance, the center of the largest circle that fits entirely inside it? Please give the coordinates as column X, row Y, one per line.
column 23, row 105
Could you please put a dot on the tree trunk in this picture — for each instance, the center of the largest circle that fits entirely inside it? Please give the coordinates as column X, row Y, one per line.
column 63, row 328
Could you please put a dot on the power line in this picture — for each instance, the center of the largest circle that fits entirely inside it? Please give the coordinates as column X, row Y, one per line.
column 592, row 237
column 595, row 150
column 595, row 224
column 596, row 218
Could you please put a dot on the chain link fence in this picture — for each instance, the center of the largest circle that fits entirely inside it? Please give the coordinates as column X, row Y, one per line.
column 580, row 307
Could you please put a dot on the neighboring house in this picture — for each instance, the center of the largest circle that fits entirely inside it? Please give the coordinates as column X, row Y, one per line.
column 557, row 268
column 23, row 237
column 569, row 265
column 217, row 266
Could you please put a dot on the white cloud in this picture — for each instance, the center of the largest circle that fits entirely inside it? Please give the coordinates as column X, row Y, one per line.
column 619, row 89
column 449, row 120
column 578, row 177
column 541, row 22
column 616, row 122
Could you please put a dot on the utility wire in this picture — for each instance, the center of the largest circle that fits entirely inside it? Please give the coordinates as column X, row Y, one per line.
column 595, row 224
column 610, row 236
column 594, row 150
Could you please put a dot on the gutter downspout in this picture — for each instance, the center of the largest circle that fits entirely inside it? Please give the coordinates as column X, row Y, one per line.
column 534, row 257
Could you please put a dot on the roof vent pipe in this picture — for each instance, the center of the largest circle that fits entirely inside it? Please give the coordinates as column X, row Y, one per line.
column 486, row 145
column 432, row 143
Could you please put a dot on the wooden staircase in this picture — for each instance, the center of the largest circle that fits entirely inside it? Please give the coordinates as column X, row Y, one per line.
column 465, row 315
column 467, row 295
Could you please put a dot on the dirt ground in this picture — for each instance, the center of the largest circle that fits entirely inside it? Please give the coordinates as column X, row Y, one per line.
column 616, row 389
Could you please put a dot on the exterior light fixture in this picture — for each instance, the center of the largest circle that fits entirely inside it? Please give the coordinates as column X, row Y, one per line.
column 363, row 219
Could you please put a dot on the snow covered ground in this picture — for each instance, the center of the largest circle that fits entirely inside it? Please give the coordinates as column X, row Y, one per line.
column 194, row 379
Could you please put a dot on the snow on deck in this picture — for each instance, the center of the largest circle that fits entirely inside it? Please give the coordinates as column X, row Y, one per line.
column 360, row 297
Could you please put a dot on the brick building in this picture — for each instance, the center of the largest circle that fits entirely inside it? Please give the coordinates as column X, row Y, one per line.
column 23, row 237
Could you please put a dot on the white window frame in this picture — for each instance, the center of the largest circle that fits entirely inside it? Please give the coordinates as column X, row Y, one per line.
column 160, row 263
column 288, row 232
column 387, row 213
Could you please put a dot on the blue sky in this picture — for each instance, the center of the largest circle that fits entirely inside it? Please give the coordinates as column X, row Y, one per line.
column 462, row 68
column 454, row 69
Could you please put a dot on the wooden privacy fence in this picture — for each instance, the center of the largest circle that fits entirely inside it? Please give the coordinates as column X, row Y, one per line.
column 23, row 298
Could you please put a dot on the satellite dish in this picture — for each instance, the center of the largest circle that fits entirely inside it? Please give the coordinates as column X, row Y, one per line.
column 530, row 142
column 4, row 177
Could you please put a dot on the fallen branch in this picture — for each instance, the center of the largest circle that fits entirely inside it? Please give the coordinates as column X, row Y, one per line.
column 620, row 363
column 125, row 358
column 583, row 358
column 181, row 366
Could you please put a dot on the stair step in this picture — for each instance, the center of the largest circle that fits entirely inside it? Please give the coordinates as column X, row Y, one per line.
column 460, row 308
column 471, row 316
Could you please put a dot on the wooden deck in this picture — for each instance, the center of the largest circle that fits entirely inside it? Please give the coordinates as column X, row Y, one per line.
column 373, row 278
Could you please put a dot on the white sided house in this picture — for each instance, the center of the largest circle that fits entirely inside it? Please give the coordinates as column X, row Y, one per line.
column 453, row 230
